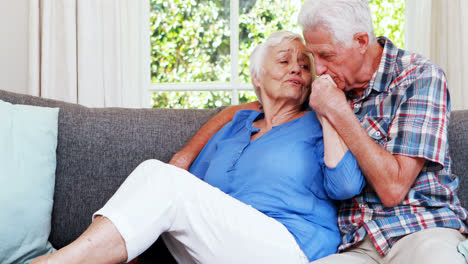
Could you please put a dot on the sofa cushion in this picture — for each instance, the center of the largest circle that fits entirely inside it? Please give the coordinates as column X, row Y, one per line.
column 28, row 142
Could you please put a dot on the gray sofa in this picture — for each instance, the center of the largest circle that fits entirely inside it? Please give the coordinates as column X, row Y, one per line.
column 99, row 147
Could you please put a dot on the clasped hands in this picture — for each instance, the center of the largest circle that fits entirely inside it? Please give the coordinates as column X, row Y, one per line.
column 325, row 96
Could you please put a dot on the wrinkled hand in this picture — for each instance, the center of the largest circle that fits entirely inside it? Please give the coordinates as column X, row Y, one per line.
column 325, row 96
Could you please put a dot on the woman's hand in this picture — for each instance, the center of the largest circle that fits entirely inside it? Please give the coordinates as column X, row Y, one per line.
column 334, row 146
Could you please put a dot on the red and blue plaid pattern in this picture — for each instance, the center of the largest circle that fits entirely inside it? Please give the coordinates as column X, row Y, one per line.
column 406, row 110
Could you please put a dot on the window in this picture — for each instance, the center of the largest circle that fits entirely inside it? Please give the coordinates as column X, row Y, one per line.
column 200, row 48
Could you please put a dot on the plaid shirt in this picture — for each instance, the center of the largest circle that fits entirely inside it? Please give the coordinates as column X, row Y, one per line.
column 406, row 110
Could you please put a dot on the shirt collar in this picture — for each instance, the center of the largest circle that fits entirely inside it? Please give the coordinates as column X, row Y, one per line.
column 383, row 76
column 254, row 116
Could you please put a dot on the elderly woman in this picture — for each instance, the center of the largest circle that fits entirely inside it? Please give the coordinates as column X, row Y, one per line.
column 263, row 188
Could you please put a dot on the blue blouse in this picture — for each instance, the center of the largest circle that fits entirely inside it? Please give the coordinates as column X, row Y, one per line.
column 283, row 175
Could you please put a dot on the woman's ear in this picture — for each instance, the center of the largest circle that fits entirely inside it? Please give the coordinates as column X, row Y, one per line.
column 255, row 81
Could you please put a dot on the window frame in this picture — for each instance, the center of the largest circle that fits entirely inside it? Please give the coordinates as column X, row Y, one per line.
column 233, row 85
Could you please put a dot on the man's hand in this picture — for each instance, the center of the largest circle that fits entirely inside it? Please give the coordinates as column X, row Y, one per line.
column 182, row 159
column 325, row 95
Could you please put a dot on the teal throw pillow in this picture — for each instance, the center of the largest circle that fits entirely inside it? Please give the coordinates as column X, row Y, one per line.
column 28, row 143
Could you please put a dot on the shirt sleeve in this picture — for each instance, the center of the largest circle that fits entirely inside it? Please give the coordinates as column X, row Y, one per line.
column 345, row 180
column 420, row 124
column 202, row 162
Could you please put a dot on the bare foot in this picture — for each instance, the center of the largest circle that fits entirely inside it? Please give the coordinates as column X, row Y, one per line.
column 100, row 243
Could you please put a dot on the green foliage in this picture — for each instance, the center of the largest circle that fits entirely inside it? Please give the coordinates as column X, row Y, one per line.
column 190, row 42
column 389, row 19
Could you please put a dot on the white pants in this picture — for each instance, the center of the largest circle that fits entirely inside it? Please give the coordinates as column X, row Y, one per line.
column 201, row 224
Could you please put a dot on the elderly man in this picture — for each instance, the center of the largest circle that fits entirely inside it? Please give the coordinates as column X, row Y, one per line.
column 392, row 109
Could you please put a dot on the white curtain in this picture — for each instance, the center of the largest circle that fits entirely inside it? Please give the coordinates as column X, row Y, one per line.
column 90, row 52
column 438, row 29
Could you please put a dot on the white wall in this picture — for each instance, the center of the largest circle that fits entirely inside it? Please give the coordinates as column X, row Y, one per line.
column 14, row 45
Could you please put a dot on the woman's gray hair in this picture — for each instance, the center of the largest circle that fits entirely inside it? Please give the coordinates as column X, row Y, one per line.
column 257, row 57
column 343, row 18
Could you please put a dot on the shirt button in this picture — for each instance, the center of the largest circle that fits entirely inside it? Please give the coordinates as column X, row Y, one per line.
column 356, row 108
column 240, row 151
column 377, row 133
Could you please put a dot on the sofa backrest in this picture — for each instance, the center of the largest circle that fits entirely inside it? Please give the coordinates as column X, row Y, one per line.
column 458, row 144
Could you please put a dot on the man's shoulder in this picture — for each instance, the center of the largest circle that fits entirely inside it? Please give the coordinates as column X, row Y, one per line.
column 405, row 63
column 415, row 65
column 415, row 74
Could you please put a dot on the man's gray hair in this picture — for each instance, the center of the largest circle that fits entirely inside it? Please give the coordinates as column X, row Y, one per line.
column 343, row 18
column 257, row 57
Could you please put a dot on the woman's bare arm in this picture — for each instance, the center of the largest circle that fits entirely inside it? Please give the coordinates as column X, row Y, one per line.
column 334, row 146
